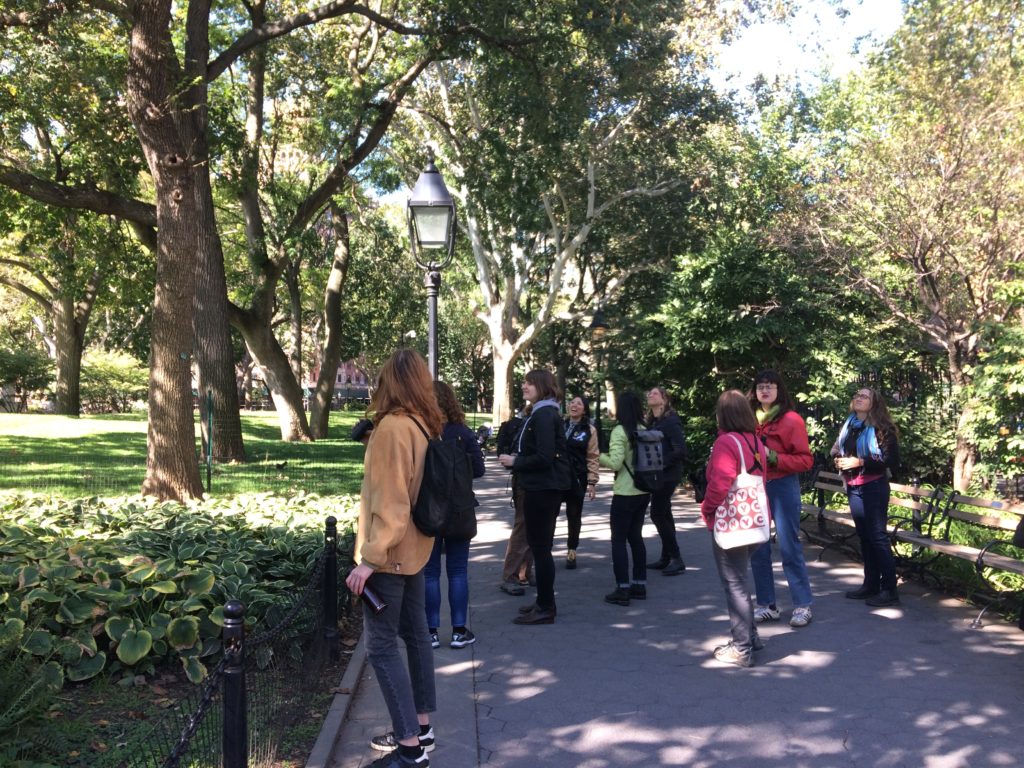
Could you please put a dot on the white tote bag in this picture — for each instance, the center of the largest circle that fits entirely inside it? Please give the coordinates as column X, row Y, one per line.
column 743, row 519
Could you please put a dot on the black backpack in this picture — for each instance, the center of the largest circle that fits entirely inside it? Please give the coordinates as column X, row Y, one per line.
column 445, row 505
column 648, row 460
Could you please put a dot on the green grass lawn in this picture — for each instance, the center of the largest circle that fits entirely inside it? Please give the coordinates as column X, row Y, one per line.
column 106, row 455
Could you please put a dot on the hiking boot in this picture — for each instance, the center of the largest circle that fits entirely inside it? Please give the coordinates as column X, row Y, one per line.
column 570, row 560
column 619, row 597
column 637, row 591
column 533, row 607
column 730, row 654
column 862, row 593
column 462, row 639
column 883, row 598
column 674, row 567
column 536, row 615
column 388, row 743
column 658, row 564
column 511, row 587
column 801, row 616
column 765, row 613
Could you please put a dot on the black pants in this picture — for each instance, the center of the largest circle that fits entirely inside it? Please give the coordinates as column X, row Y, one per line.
column 661, row 516
column 540, row 512
column 574, row 516
column 627, row 522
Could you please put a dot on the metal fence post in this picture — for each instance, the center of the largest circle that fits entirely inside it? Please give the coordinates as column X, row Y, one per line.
column 331, row 589
column 235, row 738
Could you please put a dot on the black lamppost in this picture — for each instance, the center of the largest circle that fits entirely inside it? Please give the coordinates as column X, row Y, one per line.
column 431, row 215
column 598, row 327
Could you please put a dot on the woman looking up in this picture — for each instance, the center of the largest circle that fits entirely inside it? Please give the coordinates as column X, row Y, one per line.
column 866, row 452
column 541, row 470
column 785, row 436
column 666, row 421
column 629, row 504
column 391, row 552
column 581, row 443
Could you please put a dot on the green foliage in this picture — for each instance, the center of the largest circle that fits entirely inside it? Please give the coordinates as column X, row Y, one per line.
column 112, row 381
column 24, row 367
column 997, row 392
column 123, row 583
column 28, row 686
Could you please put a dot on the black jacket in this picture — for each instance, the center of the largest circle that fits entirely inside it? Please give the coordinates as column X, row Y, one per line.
column 508, row 433
column 541, row 460
column 673, row 445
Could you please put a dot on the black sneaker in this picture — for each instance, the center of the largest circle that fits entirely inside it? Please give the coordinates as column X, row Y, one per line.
column 388, row 742
column 638, row 591
column 435, row 641
column 462, row 639
column 396, row 759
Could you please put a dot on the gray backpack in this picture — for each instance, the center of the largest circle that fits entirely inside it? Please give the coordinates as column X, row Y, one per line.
column 648, row 460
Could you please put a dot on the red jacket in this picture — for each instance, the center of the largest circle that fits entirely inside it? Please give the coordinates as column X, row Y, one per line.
column 787, row 436
column 724, row 465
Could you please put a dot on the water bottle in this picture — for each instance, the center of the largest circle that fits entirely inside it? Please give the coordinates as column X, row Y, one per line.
column 373, row 602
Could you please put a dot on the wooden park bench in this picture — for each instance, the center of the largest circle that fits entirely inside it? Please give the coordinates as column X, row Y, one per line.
column 992, row 522
column 911, row 507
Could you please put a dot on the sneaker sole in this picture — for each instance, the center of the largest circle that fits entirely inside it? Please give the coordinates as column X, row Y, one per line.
column 426, row 747
column 462, row 644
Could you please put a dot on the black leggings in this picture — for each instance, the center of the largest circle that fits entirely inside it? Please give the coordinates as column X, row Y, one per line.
column 627, row 523
column 540, row 512
column 574, row 515
column 661, row 516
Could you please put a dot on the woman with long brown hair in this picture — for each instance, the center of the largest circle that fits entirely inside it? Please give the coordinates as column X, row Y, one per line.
column 541, row 469
column 866, row 452
column 454, row 548
column 391, row 552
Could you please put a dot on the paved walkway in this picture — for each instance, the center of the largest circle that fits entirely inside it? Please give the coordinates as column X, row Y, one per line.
column 610, row 687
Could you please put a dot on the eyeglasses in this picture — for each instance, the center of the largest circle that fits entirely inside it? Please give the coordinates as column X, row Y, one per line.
column 766, row 387
column 862, row 396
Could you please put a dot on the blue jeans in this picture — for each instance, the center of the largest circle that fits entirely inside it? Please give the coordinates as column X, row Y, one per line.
column 456, row 562
column 627, row 523
column 784, row 499
column 406, row 692
column 869, row 505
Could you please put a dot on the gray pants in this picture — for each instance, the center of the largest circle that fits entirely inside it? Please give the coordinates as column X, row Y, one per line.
column 406, row 692
column 733, row 567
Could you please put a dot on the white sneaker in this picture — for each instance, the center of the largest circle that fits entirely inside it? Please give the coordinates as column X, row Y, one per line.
column 801, row 616
column 765, row 613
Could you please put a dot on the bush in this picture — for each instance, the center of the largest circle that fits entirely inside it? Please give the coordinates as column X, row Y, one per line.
column 112, row 382
column 27, row 689
column 119, row 584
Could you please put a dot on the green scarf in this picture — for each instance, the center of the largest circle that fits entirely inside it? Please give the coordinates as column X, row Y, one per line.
column 763, row 417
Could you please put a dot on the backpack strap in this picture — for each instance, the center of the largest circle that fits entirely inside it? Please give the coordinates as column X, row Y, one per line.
column 420, row 427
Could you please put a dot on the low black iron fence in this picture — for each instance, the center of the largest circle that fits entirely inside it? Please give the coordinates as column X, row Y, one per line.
column 262, row 684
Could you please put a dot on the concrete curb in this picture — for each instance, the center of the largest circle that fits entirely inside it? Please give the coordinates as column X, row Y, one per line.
column 320, row 756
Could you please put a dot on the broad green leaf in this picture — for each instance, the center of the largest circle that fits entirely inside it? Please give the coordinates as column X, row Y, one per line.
column 141, row 573
column 87, row 667
column 164, row 587
column 75, row 610
column 183, row 633
column 11, row 631
column 39, row 642
column 200, row 582
column 134, row 646
column 194, row 669
column 52, row 675
column 43, row 595
column 28, row 576
column 116, row 627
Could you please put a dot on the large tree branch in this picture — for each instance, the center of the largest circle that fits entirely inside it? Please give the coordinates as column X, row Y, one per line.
column 35, row 296
column 81, row 198
column 282, row 27
column 318, row 198
column 32, row 270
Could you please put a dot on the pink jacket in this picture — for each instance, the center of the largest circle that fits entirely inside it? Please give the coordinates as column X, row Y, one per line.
column 724, row 465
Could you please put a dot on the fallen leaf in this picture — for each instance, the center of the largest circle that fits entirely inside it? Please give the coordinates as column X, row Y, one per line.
column 99, row 746
column 341, row 690
column 158, row 690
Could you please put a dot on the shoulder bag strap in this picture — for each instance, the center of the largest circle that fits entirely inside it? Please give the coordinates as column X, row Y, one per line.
column 743, row 462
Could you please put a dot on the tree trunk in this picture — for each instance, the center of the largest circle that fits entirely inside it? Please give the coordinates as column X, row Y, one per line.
column 213, row 350
column 330, row 355
column 505, row 355
column 172, row 471
column 277, row 373
column 69, row 341
column 962, row 357
column 291, row 280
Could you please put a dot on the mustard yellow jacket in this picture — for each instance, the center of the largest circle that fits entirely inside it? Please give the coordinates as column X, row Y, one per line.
column 387, row 540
